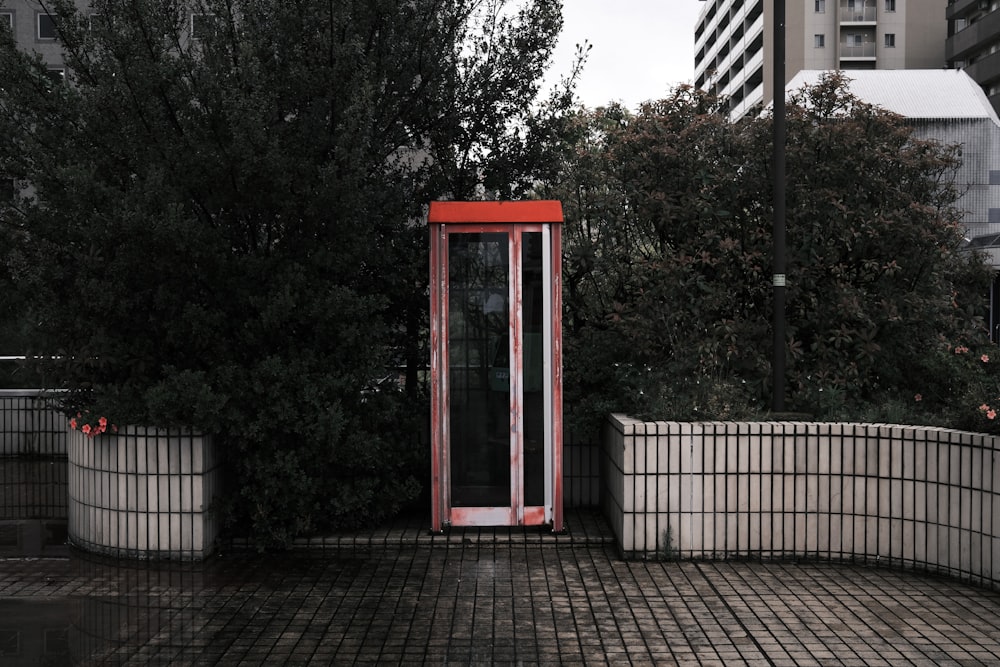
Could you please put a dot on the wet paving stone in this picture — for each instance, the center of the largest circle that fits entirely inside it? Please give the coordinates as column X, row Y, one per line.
column 512, row 602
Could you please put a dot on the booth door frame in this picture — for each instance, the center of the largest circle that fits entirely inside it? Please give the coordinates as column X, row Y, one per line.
column 516, row 514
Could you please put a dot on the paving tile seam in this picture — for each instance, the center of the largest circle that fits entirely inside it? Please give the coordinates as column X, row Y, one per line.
column 800, row 624
column 526, row 603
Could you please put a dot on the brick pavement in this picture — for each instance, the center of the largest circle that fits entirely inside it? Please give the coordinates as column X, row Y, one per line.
column 484, row 599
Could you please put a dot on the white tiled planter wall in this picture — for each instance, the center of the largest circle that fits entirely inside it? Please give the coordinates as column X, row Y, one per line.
column 912, row 496
column 143, row 493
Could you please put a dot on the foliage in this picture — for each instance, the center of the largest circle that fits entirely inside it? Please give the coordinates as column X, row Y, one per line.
column 218, row 230
column 668, row 256
column 974, row 401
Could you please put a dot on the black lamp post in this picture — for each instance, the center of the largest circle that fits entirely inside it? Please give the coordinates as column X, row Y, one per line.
column 778, row 280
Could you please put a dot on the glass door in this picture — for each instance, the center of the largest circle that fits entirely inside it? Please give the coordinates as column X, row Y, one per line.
column 495, row 330
column 479, row 298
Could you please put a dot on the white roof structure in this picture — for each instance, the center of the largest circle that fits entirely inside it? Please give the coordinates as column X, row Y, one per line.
column 926, row 94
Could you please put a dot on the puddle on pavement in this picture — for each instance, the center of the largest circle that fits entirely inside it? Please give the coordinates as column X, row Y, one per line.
column 35, row 632
column 90, row 609
column 111, row 608
column 62, row 606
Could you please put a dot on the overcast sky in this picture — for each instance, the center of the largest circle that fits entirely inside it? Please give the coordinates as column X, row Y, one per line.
column 641, row 48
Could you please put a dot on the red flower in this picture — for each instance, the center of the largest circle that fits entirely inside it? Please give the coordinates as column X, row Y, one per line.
column 92, row 429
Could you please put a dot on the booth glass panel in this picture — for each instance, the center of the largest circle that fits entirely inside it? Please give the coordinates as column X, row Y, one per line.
column 478, row 372
column 534, row 308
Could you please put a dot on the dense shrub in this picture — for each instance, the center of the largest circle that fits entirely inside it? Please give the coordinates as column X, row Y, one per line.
column 220, row 231
column 668, row 267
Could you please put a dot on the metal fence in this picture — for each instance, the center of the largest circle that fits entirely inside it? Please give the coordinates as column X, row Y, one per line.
column 30, row 424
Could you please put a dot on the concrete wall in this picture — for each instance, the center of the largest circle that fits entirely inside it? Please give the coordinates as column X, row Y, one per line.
column 907, row 496
column 980, row 143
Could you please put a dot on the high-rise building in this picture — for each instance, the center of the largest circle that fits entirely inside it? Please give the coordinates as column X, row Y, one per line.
column 734, row 41
column 974, row 43
column 34, row 30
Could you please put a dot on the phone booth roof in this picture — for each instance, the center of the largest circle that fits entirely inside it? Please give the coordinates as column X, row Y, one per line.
column 444, row 212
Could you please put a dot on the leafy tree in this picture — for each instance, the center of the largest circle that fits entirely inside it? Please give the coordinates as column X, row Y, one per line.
column 668, row 244
column 222, row 224
column 881, row 284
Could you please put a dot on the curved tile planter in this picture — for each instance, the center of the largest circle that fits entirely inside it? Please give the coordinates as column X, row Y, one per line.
column 918, row 497
column 143, row 493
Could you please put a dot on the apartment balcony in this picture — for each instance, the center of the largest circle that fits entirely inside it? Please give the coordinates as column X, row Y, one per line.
column 971, row 39
column 985, row 69
column 857, row 51
column 959, row 8
column 857, row 14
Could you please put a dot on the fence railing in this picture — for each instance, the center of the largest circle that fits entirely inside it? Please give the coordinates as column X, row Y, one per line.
column 857, row 14
column 30, row 424
column 33, row 473
column 865, row 50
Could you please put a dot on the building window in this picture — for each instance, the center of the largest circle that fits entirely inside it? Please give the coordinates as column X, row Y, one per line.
column 7, row 191
column 994, row 177
column 10, row 640
column 890, row 40
column 820, row 6
column 890, row 5
column 7, row 19
column 819, row 41
column 47, row 27
column 56, row 74
column 56, row 642
column 994, row 216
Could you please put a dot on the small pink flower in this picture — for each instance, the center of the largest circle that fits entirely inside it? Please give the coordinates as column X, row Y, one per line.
column 114, row 429
column 72, row 423
column 984, row 407
column 103, row 421
column 86, row 429
column 918, row 397
column 985, row 358
column 961, row 349
column 992, row 414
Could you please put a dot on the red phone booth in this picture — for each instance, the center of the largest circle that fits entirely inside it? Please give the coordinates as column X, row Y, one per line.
column 496, row 370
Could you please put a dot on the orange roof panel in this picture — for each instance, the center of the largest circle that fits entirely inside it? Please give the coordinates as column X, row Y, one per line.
column 495, row 211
